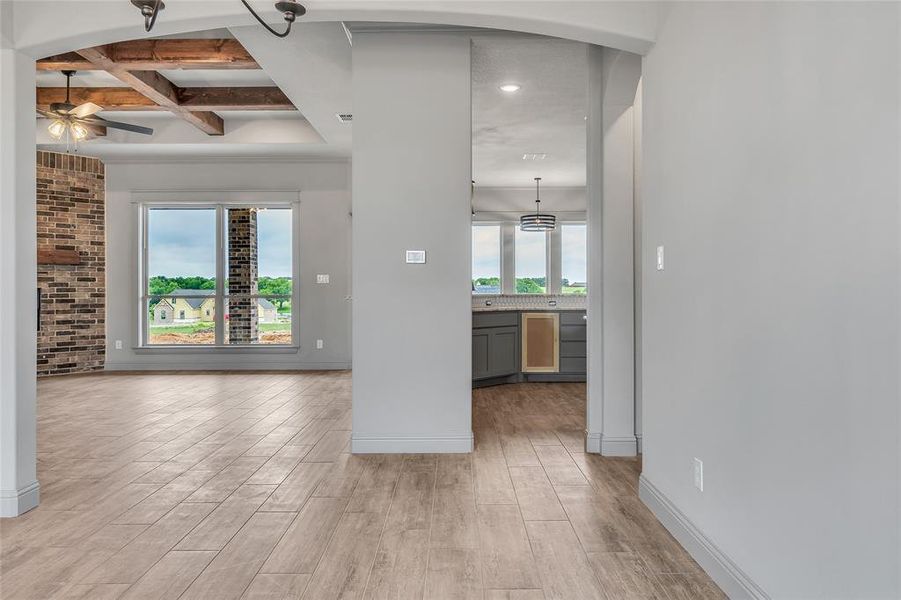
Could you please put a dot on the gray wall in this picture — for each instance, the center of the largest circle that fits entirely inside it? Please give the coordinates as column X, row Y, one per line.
column 411, row 181
column 771, row 340
column 18, row 270
column 324, row 311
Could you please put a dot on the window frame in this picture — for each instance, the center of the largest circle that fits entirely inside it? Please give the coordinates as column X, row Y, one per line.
column 500, row 250
column 548, row 262
column 221, row 201
column 560, row 226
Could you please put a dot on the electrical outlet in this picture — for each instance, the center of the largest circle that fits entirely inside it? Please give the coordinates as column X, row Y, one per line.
column 659, row 258
column 699, row 474
column 118, row 344
column 319, row 344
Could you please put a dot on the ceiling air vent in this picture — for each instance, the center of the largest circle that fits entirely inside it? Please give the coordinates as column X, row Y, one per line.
column 345, row 117
column 534, row 156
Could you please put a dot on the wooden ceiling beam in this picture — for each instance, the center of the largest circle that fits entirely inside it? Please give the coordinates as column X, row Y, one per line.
column 111, row 98
column 155, row 55
column 70, row 61
column 157, row 88
column 189, row 98
column 234, row 98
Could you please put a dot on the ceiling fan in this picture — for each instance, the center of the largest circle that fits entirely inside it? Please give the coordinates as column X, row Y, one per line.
column 81, row 122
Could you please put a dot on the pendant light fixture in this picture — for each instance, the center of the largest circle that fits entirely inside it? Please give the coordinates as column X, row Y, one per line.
column 537, row 221
column 290, row 9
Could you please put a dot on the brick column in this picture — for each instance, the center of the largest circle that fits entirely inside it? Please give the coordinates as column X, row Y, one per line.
column 70, row 218
column 242, row 275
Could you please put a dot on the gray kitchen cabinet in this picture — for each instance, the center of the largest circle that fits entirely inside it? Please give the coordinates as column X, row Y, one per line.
column 480, row 356
column 573, row 347
column 495, row 352
column 503, row 346
column 497, row 348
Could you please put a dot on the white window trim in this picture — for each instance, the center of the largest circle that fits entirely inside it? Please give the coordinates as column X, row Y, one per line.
column 220, row 200
column 500, row 241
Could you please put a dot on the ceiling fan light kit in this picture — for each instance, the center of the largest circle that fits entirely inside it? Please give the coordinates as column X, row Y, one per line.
column 77, row 123
column 290, row 9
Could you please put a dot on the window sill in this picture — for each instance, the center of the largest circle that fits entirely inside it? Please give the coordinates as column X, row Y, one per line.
column 201, row 349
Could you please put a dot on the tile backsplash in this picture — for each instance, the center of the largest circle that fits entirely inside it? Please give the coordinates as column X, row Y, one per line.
column 529, row 302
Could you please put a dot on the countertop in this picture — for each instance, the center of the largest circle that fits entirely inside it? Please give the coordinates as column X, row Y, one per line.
column 525, row 309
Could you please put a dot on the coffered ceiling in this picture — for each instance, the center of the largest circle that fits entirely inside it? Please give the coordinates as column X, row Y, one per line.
column 242, row 92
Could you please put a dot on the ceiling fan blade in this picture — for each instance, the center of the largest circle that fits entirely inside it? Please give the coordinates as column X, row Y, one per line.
column 95, row 130
column 43, row 114
column 85, row 110
column 95, row 120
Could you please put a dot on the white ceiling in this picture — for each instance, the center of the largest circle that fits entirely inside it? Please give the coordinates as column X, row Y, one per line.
column 313, row 68
column 546, row 116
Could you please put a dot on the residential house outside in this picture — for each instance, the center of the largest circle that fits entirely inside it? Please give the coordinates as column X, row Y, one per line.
column 184, row 306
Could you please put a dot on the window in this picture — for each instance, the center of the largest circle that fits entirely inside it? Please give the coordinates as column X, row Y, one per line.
column 530, row 251
column 574, row 256
column 256, row 292
column 258, row 298
column 486, row 259
column 181, row 269
column 506, row 258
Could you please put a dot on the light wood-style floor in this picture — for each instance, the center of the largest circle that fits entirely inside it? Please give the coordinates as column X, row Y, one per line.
column 227, row 486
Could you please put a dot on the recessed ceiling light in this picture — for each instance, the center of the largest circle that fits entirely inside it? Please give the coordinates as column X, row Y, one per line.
column 510, row 87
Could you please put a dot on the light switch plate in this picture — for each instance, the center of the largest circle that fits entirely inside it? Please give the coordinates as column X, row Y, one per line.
column 659, row 258
column 322, row 278
column 319, row 344
column 699, row 474
column 415, row 257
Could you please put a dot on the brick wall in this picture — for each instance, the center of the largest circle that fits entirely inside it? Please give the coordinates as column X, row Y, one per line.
column 242, row 276
column 70, row 219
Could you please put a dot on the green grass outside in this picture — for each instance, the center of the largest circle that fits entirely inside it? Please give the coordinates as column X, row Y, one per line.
column 205, row 327
column 574, row 290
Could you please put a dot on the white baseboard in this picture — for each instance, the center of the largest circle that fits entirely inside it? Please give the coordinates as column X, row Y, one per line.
column 618, row 446
column 733, row 581
column 247, row 365
column 400, row 444
column 639, row 444
column 605, row 445
column 16, row 502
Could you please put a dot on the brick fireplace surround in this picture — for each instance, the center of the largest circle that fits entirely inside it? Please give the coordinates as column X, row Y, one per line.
column 71, row 264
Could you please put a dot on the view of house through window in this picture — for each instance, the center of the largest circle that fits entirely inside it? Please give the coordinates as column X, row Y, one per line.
column 531, row 261
column 574, row 257
column 181, row 294
column 181, row 268
column 486, row 259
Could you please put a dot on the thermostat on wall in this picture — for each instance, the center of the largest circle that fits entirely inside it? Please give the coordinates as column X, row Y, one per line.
column 415, row 257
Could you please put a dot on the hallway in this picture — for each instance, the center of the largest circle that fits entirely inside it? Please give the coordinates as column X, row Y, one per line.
column 240, row 485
